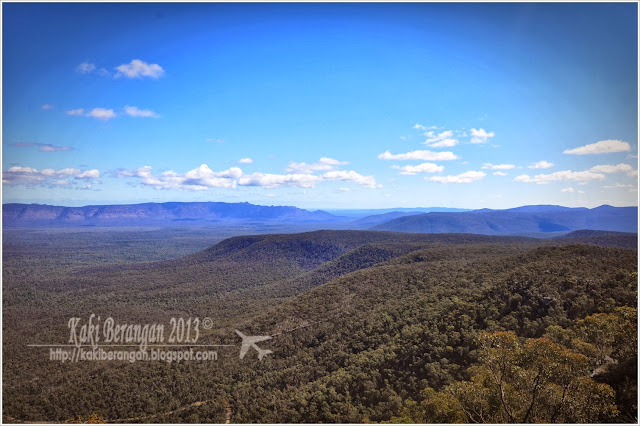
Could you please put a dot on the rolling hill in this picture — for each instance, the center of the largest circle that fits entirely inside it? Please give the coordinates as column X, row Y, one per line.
column 362, row 322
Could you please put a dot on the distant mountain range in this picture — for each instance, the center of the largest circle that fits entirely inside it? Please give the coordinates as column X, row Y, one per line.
column 526, row 220
column 369, row 221
column 16, row 215
column 359, row 213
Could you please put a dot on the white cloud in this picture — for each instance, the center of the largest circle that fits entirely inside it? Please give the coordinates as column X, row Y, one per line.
column 46, row 147
column 85, row 68
column 305, row 168
column 101, row 113
column 77, row 111
column 344, row 189
column 144, row 171
column 583, row 176
column 567, row 190
column 440, row 140
column 466, row 177
column 425, row 155
column 134, row 111
column 46, row 106
column 267, row 180
column 445, row 143
column 541, row 165
column 204, row 172
column 480, row 135
column 421, row 127
column 498, row 166
column 352, row 176
column 325, row 163
column 619, row 168
column 332, row 161
column 440, row 136
column 619, row 185
column 139, row 69
column 631, row 156
column 601, row 147
column 499, row 173
column 31, row 176
column 203, row 178
column 89, row 174
column 246, row 160
column 420, row 168
column 200, row 178
column 432, row 137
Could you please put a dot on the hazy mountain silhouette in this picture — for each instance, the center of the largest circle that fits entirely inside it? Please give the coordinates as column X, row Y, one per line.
column 153, row 213
column 521, row 220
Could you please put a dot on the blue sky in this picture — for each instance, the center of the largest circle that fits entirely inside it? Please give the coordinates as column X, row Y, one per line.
column 321, row 105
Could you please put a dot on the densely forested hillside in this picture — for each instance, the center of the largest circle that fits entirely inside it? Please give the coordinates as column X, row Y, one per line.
column 601, row 238
column 367, row 327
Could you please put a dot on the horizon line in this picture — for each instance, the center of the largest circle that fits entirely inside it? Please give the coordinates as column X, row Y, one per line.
column 318, row 209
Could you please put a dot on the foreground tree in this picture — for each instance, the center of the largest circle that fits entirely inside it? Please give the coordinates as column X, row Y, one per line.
column 537, row 381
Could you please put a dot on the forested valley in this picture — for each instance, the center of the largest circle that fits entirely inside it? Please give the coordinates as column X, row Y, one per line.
column 366, row 326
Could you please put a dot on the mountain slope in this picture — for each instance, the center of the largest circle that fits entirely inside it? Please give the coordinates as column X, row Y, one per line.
column 361, row 322
column 15, row 215
column 387, row 332
column 369, row 221
column 501, row 222
column 600, row 238
column 544, row 208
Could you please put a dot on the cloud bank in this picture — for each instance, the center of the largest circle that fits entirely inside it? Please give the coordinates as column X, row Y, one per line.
column 602, row 147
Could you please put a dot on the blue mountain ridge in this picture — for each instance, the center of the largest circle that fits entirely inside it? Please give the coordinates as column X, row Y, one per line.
column 518, row 221
column 523, row 220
